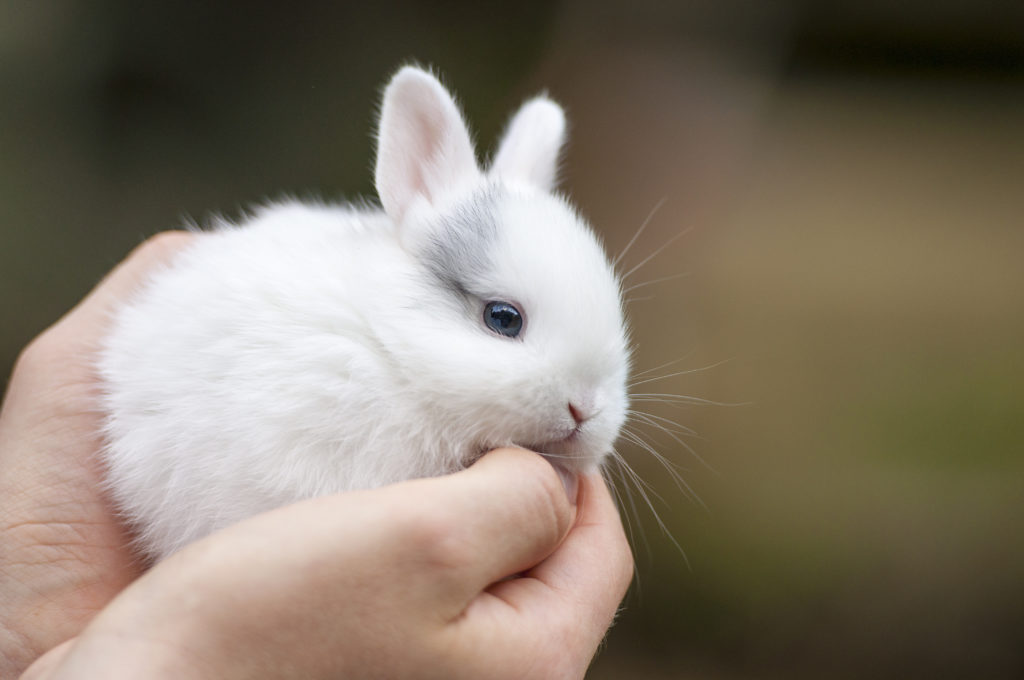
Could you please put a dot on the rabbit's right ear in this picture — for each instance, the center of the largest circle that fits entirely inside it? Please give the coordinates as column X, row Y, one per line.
column 423, row 147
column 529, row 149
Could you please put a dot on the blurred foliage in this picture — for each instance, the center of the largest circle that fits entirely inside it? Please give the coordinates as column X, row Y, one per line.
column 850, row 178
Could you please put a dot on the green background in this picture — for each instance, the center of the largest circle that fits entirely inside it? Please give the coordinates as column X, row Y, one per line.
column 851, row 182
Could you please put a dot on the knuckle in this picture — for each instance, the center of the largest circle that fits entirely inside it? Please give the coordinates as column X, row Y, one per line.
column 548, row 500
column 437, row 537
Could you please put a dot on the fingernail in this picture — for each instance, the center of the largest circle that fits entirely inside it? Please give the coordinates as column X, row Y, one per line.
column 570, row 481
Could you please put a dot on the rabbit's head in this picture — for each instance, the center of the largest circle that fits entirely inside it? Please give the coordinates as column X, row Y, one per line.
column 514, row 330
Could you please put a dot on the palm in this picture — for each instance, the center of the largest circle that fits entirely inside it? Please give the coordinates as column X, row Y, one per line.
column 65, row 554
column 62, row 543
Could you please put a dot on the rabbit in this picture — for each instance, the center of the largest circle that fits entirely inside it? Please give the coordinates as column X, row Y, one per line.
column 320, row 348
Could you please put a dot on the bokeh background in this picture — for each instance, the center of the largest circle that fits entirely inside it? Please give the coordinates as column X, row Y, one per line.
column 850, row 181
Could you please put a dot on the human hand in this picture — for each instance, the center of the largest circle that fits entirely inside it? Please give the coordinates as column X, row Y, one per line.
column 64, row 557
column 403, row 581
column 64, row 554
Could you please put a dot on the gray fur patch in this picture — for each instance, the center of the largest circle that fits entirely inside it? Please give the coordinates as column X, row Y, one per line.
column 458, row 250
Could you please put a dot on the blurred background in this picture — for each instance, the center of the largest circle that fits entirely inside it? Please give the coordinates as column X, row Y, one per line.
column 850, row 181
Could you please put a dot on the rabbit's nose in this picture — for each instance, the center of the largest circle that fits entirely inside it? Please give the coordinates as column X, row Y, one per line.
column 580, row 413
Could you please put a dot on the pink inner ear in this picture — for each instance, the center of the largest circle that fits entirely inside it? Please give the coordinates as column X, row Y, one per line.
column 424, row 146
column 428, row 135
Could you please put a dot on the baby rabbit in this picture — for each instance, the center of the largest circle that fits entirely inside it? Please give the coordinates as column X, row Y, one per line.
column 322, row 348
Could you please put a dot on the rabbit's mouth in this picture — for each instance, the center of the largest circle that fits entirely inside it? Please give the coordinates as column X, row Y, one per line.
column 565, row 449
column 569, row 450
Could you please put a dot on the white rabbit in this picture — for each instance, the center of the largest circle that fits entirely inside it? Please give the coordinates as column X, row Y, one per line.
column 323, row 348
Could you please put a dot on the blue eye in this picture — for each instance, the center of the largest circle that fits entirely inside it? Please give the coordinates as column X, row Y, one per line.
column 503, row 318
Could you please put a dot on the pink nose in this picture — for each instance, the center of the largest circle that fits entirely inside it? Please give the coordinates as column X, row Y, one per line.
column 577, row 414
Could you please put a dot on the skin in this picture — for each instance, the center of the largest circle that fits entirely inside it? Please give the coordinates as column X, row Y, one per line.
column 410, row 580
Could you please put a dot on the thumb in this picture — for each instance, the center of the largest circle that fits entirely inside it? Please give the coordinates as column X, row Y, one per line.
column 512, row 510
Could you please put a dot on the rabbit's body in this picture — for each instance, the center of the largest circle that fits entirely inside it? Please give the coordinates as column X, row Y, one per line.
column 317, row 349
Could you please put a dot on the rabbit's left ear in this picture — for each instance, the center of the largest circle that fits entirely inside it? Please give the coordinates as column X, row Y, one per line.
column 424, row 152
column 531, row 144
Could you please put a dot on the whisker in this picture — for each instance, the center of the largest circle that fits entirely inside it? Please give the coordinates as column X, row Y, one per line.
column 678, row 428
column 658, row 368
column 677, row 373
column 650, row 216
column 642, row 487
column 671, row 403
column 672, row 470
column 657, row 252
column 660, row 279
column 684, row 399
column 646, row 486
column 640, row 484
column 633, row 516
column 560, row 456
column 690, row 450
column 607, row 472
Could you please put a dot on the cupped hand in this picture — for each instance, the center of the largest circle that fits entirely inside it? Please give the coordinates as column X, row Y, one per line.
column 63, row 553
column 492, row 572
column 488, row 573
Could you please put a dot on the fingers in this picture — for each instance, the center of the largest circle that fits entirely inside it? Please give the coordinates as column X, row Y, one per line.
column 63, row 552
column 506, row 513
column 46, row 665
column 376, row 577
column 62, row 354
column 594, row 566
column 124, row 279
column 561, row 608
column 433, row 544
column 54, row 379
column 381, row 579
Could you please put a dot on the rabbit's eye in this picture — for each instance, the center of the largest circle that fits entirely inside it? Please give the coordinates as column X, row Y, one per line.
column 503, row 318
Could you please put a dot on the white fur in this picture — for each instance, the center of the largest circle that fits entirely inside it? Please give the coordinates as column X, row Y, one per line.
column 424, row 153
column 317, row 349
column 529, row 150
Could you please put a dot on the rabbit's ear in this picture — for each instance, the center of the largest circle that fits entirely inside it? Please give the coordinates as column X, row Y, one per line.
column 423, row 147
column 530, row 146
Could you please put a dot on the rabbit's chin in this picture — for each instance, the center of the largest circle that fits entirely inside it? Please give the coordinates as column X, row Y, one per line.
column 571, row 457
column 569, row 452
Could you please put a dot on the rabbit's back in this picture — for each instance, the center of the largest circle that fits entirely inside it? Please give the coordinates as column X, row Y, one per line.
column 228, row 377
